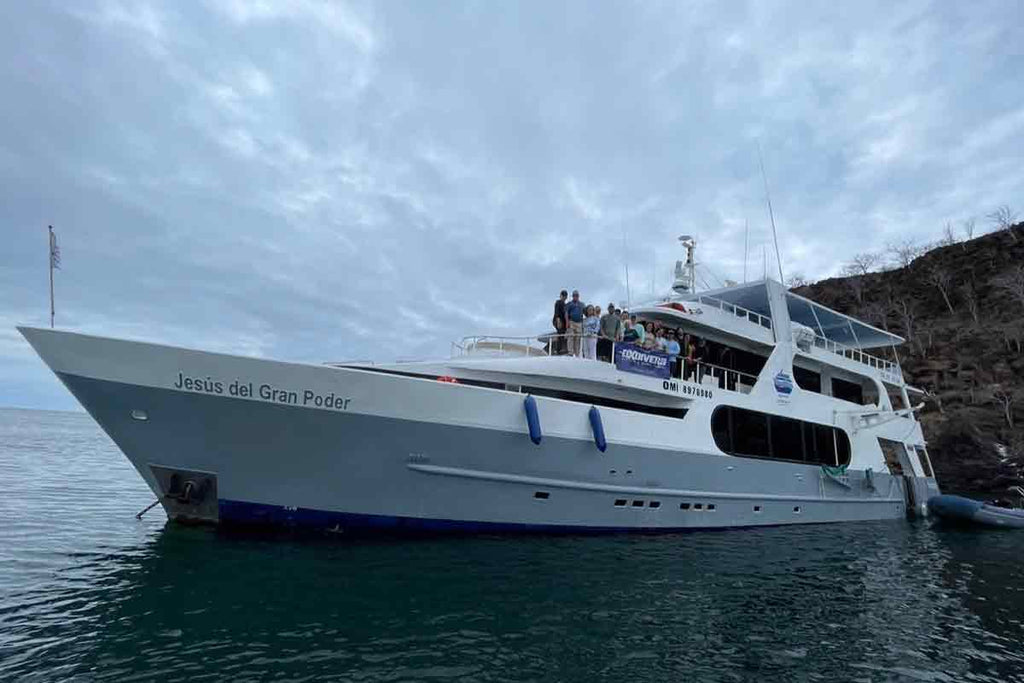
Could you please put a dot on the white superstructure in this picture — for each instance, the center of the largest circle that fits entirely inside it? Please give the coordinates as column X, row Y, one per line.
column 793, row 414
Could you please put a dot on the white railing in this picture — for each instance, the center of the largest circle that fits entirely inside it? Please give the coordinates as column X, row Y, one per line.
column 697, row 372
column 738, row 311
column 522, row 346
column 890, row 371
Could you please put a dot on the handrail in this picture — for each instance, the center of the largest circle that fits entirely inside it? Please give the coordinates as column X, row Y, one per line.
column 888, row 369
column 689, row 370
column 740, row 312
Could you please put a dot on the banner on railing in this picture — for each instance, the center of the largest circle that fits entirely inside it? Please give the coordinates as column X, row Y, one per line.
column 635, row 359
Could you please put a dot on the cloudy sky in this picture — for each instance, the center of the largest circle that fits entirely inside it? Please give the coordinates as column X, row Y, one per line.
column 324, row 181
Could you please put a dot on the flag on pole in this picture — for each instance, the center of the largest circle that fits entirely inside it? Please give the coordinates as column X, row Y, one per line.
column 54, row 250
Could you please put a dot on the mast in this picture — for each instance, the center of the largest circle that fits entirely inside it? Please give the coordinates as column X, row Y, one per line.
column 746, row 247
column 771, row 214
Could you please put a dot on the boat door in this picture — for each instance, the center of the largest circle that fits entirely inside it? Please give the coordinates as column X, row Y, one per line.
column 898, row 462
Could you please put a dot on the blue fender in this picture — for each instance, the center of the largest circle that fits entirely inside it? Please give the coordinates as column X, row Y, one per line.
column 598, row 429
column 532, row 419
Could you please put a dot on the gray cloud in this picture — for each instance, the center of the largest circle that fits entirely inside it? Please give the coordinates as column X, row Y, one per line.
column 318, row 181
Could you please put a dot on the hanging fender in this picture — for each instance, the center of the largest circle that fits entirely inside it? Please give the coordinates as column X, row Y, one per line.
column 598, row 428
column 532, row 419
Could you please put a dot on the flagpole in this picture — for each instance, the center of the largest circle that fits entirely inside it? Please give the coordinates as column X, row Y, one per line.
column 51, row 277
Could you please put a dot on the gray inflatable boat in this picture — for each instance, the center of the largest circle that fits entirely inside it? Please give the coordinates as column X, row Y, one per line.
column 967, row 511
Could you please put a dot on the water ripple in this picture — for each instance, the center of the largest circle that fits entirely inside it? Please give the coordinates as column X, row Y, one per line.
column 88, row 592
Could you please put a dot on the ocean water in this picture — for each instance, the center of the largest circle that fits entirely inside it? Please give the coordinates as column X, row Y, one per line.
column 87, row 592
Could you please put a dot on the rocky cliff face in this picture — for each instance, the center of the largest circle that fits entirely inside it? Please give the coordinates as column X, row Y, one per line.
column 961, row 308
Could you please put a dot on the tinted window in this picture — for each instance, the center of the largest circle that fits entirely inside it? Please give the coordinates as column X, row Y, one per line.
column 824, row 448
column 894, row 453
column 808, row 380
column 787, row 439
column 749, row 433
column 926, row 464
column 754, row 434
column 847, row 391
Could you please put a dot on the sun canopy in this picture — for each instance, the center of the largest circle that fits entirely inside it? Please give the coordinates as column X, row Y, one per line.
column 825, row 322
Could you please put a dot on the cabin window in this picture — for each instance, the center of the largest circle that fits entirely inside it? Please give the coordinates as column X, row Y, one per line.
column 787, row 439
column 848, row 391
column 895, row 455
column 808, row 380
column 759, row 435
column 896, row 399
column 926, row 463
column 749, row 433
column 824, row 448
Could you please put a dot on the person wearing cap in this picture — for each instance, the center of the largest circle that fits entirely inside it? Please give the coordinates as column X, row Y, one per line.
column 575, row 312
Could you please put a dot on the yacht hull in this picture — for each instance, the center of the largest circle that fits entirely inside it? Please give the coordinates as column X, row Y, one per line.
column 396, row 453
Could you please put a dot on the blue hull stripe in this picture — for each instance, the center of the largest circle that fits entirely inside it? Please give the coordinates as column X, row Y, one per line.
column 238, row 513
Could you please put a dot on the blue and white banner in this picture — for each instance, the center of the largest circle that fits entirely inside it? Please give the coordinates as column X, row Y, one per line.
column 635, row 359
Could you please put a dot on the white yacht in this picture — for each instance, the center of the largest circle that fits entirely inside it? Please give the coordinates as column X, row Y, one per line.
column 792, row 415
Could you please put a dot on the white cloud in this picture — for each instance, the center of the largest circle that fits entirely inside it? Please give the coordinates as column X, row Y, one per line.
column 289, row 178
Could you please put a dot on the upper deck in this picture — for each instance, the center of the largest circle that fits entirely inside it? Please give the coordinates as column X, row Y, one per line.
column 764, row 312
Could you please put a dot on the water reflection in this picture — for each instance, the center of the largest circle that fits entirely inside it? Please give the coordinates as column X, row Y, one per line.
column 87, row 592
column 873, row 601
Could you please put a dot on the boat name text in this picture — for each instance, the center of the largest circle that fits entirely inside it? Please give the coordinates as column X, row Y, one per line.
column 263, row 392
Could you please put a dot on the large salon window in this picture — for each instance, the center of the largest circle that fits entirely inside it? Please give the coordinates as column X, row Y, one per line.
column 754, row 434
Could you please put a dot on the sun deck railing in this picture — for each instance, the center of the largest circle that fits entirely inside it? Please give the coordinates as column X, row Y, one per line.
column 890, row 371
column 698, row 372
column 740, row 312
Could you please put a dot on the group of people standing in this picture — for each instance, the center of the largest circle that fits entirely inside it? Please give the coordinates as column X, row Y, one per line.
column 584, row 330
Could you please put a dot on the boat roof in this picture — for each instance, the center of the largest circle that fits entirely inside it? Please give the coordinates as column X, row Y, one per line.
column 828, row 323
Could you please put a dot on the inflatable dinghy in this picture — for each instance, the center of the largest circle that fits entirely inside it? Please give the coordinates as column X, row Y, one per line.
column 966, row 511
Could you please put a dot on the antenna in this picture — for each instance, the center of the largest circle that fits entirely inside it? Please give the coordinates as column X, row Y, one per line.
column 771, row 214
column 746, row 247
column 626, row 264
column 686, row 281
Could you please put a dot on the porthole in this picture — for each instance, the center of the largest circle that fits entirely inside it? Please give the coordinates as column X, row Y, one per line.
column 796, row 509
column 757, row 509
column 711, row 507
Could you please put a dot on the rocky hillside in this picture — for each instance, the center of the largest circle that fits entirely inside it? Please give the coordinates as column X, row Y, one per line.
column 960, row 305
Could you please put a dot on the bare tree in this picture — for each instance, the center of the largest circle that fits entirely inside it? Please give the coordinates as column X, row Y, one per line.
column 1003, row 219
column 855, row 283
column 935, row 398
column 940, row 277
column 948, row 236
column 796, row 280
column 1012, row 283
column 968, row 227
column 1012, row 336
column 1003, row 396
column 905, row 309
column 904, row 251
column 862, row 264
column 878, row 312
column 969, row 293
